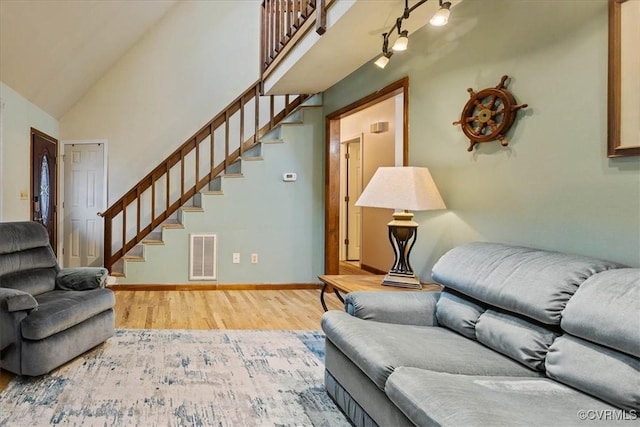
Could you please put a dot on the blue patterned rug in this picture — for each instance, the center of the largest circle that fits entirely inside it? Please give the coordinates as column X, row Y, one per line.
column 182, row 378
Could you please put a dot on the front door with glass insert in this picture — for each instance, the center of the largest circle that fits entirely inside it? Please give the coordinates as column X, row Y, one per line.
column 44, row 173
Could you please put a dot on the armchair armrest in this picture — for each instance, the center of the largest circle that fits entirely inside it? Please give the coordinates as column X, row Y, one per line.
column 17, row 300
column 405, row 308
column 81, row 279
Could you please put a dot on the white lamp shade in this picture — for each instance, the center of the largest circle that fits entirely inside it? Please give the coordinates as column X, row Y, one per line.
column 440, row 18
column 408, row 188
column 382, row 61
column 401, row 43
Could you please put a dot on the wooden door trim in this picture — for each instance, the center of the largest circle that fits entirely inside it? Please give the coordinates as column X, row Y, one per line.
column 54, row 141
column 332, row 164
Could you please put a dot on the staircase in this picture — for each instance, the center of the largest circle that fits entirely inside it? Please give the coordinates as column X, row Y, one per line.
column 197, row 168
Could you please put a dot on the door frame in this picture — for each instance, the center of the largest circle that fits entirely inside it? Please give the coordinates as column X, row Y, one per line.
column 56, row 197
column 344, row 189
column 105, row 196
column 332, row 164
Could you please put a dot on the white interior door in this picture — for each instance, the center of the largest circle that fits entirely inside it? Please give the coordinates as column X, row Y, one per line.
column 354, row 189
column 84, row 194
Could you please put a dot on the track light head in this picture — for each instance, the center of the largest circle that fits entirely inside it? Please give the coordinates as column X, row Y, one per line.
column 402, row 42
column 383, row 60
column 441, row 17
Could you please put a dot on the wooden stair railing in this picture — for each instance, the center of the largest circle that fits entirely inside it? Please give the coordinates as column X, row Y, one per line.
column 283, row 20
column 190, row 168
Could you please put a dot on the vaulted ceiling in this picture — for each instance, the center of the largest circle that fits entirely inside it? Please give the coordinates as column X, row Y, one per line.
column 52, row 52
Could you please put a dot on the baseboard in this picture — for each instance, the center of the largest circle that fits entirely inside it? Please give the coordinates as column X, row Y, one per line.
column 373, row 270
column 213, row 286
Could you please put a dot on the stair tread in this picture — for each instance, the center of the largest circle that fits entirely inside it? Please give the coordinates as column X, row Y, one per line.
column 232, row 175
column 191, row 209
column 212, row 192
column 171, row 223
column 153, row 241
column 252, row 158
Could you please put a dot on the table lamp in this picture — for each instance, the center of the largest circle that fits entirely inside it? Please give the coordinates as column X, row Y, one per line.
column 403, row 189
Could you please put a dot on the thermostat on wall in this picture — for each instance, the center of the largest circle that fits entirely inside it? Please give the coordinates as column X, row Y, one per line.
column 289, row 176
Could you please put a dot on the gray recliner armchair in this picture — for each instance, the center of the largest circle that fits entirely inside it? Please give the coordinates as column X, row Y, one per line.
column 48, row 315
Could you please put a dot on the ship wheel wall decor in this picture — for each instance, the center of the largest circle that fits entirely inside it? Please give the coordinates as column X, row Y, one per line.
column 489, row 114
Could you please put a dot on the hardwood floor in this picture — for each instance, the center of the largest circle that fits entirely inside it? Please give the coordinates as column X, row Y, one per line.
column 351, row 268
column 217, row 309
column 246, row 309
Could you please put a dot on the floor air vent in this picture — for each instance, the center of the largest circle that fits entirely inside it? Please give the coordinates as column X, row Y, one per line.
column 202, row 259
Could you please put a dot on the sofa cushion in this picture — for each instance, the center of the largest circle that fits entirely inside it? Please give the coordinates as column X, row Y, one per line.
column 600, row 371
column 17, row 300
column 81, row 279
column 515, row 337
column 60, row 310
column 605, row 310
column 443, row 399
column 35, row 281
column 458, row 313
column 407, row 308
column 19, row 236
column 42, row 356
column 28, row 259
column 378, row 348
column 530, row 282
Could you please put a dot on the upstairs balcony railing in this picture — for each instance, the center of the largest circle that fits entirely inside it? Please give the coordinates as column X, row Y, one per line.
column 284, row 21
column 191, row 167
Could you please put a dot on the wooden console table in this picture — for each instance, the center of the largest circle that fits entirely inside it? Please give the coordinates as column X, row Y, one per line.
column 351, row 283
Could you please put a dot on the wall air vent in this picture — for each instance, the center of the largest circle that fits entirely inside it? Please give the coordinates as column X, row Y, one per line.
column 202, row 257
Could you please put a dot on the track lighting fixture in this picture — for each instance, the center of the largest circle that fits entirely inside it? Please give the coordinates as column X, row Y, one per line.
column 441, row 17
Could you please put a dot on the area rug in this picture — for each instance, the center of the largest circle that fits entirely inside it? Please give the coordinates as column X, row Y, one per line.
column 182, row 378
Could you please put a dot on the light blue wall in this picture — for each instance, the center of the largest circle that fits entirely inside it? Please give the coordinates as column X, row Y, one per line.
column 553, row 187
column 260, row 213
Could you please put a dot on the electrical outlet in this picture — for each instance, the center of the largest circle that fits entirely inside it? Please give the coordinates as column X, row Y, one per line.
column 254, row 258
column 236, row 258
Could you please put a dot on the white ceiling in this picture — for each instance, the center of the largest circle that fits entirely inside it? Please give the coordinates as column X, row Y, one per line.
column 52, row 52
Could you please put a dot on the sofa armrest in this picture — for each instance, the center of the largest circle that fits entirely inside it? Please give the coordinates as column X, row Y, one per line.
column 405, row 308
column 81, row 279
column 16, row 300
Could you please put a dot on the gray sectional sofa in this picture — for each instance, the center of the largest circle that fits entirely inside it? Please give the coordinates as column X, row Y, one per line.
column 517, row 337
column 48, row 315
